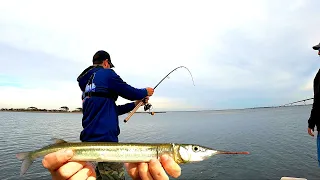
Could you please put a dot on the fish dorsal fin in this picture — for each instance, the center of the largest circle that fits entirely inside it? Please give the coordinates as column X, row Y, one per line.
column 58, row 141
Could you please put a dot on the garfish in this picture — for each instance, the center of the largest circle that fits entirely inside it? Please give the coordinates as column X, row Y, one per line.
column 122, row 152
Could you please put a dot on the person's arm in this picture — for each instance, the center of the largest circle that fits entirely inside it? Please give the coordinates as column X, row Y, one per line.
column 315, row 112
column 122, row 109
column 125, row 90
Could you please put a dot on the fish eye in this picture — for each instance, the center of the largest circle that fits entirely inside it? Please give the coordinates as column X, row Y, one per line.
column 195, row 148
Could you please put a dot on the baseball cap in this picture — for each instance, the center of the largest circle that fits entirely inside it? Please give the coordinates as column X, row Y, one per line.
column 100, row 56
column 316, row 47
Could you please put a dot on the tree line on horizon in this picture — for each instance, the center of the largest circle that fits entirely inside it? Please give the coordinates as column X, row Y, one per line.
column 32, row 108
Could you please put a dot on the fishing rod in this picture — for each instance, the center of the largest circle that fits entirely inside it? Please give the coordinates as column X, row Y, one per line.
column 148, row 105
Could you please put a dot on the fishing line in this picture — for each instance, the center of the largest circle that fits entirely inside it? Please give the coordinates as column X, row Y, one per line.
column 171, row 72
column 148, row 105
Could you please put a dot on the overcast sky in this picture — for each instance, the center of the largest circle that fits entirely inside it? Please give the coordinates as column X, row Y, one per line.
column 241, row 54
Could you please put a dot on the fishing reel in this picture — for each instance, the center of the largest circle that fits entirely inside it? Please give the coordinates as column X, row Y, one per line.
column 147, row 106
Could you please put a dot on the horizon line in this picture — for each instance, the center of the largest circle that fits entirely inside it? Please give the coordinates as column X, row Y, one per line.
column 60, row 109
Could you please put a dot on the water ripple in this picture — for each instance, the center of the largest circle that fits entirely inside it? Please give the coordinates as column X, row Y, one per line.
column 276, row 139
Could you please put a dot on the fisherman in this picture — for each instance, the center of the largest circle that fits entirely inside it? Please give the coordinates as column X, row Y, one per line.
column 314, row 119
column 101, row 86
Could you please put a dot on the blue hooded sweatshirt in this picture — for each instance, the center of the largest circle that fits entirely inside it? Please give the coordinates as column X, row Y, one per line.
column 100, row 114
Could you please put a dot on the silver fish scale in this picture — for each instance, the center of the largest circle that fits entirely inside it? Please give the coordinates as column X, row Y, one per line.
column 133, row 153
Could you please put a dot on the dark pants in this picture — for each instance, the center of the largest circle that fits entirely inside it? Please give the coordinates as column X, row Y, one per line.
column 110, row 170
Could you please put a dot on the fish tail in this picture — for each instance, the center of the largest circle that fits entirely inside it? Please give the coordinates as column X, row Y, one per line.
column 27, row 160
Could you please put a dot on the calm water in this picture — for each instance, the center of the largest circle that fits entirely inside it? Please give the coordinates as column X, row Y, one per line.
column 277, row 139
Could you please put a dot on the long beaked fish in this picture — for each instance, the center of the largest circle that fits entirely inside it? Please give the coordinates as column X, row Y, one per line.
column 122, row 152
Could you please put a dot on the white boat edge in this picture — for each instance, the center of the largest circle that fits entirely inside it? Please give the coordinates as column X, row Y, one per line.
column 292, row 178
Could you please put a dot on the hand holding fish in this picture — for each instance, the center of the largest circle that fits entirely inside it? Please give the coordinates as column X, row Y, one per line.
column 59, row 167
column 141, row 158
column 155, row 169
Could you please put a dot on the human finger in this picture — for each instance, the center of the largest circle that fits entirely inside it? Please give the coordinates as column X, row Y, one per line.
column 55, row 160
column 171, row 167
column 132, row 170
column 144, row 171
column 157, row 171
column 150, row 91
column 310, row 132
column 91, row 178
column 68, row 170
column 86, row 172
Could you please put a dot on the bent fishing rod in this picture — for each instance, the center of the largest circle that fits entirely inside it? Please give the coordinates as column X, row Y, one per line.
column 147, row 106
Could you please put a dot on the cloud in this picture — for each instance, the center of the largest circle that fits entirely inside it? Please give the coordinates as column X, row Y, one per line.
column 9, row 81
column 241, row 53
column 308, row 86
column 40, row 97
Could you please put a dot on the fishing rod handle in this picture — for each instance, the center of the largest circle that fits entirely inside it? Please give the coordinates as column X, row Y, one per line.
column 132, row 112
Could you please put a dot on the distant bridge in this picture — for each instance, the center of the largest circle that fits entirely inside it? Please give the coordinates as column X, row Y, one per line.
column 292, row 103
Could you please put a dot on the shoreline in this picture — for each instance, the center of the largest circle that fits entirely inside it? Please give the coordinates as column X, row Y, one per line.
column 66, row 112
column 76, row 111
